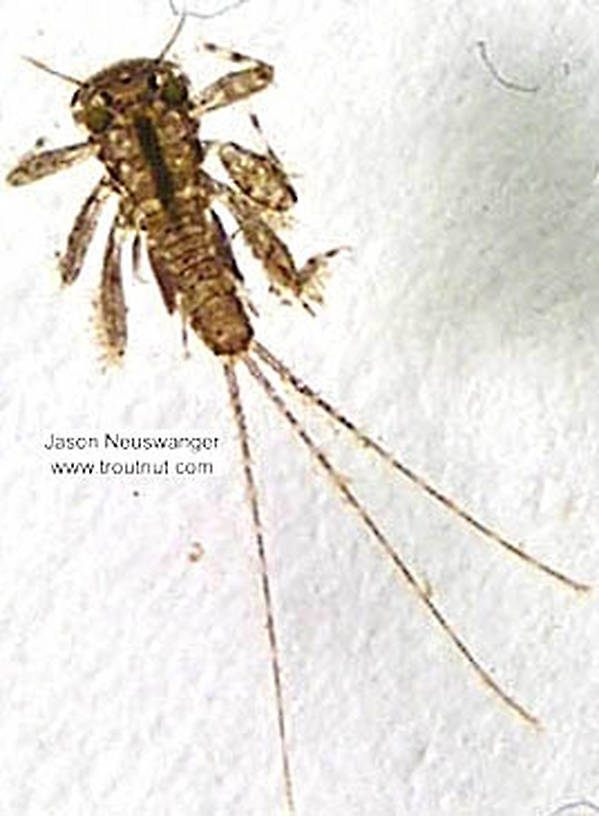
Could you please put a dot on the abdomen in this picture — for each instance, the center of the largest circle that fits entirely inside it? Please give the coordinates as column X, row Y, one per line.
column 196, row 272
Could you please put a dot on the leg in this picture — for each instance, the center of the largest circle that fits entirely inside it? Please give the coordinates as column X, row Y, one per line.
column 112, row 311
column 268, row 149
column 35, row 166
column 261, row 177
column 257, row 176
column 235, row 86
column 83, row 232
column 304, row 283
column 136, row 256
column 133, row 220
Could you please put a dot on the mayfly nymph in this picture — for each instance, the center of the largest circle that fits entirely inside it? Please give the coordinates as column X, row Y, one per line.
column 143, row 118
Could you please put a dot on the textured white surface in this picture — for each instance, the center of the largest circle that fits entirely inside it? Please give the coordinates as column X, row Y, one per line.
column 464, row 331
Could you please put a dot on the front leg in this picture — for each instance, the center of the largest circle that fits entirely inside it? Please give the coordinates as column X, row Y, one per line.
column 233, row 87
column 36, row 165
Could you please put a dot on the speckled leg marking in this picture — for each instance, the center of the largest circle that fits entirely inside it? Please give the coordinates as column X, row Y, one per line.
column 233, row 87
column 36, row 165
column 285, row 278
column 112, row 312
column 83, row 231
column 262, row 180
column 260, row 176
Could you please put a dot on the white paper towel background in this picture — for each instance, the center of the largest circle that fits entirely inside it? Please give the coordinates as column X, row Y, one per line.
column 463, row 331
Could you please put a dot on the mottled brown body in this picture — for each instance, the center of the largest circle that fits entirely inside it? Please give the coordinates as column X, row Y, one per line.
column 152, row 153
column 143, row 125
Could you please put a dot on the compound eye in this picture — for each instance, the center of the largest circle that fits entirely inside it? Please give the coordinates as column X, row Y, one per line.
column 174, row 91
column 97, row 118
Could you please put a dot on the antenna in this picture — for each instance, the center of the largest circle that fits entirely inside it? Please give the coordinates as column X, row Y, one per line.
column 42, row 66
column 220, row 11
column 172, row 38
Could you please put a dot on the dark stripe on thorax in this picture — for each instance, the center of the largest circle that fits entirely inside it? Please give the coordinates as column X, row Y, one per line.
column 150, row 146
